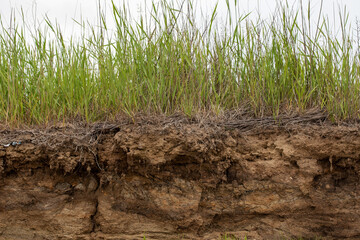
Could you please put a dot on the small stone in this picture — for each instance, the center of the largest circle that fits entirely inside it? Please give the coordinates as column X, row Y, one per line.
column 93, row 184
column 63, row 187
column 80, row 187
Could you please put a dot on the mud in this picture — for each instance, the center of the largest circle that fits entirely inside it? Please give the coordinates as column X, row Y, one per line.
column 180, row 181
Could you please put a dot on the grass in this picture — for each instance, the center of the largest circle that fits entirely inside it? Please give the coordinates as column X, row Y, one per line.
column 166, row 62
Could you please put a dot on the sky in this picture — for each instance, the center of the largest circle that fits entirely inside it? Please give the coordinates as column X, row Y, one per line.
column 64, row 12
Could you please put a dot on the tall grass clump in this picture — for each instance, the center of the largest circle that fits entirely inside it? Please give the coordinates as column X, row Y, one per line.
column 167, row 62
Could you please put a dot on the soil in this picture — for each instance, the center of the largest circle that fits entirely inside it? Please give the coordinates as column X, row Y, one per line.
column 178, row 178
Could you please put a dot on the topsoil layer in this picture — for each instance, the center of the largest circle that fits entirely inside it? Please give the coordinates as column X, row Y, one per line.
column 176, row 178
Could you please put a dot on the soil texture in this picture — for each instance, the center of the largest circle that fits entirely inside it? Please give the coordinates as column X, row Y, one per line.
column 181, row 179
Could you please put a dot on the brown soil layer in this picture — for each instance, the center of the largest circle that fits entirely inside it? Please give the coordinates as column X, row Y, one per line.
column 174, row 179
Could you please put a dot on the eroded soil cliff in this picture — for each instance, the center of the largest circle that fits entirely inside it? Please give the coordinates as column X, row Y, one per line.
column 175, row 179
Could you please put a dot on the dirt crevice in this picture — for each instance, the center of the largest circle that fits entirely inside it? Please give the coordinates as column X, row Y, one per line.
column 93, row 218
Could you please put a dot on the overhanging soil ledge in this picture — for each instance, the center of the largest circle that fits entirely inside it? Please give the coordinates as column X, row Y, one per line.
column 181, row 180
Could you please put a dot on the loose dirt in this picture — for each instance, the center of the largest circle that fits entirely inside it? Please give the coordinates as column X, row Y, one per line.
column 178, row 178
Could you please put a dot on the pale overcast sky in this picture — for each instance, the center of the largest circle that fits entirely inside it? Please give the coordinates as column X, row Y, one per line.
column 64, row 11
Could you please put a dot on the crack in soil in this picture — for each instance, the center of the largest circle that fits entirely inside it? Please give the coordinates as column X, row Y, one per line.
column 93, row 218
